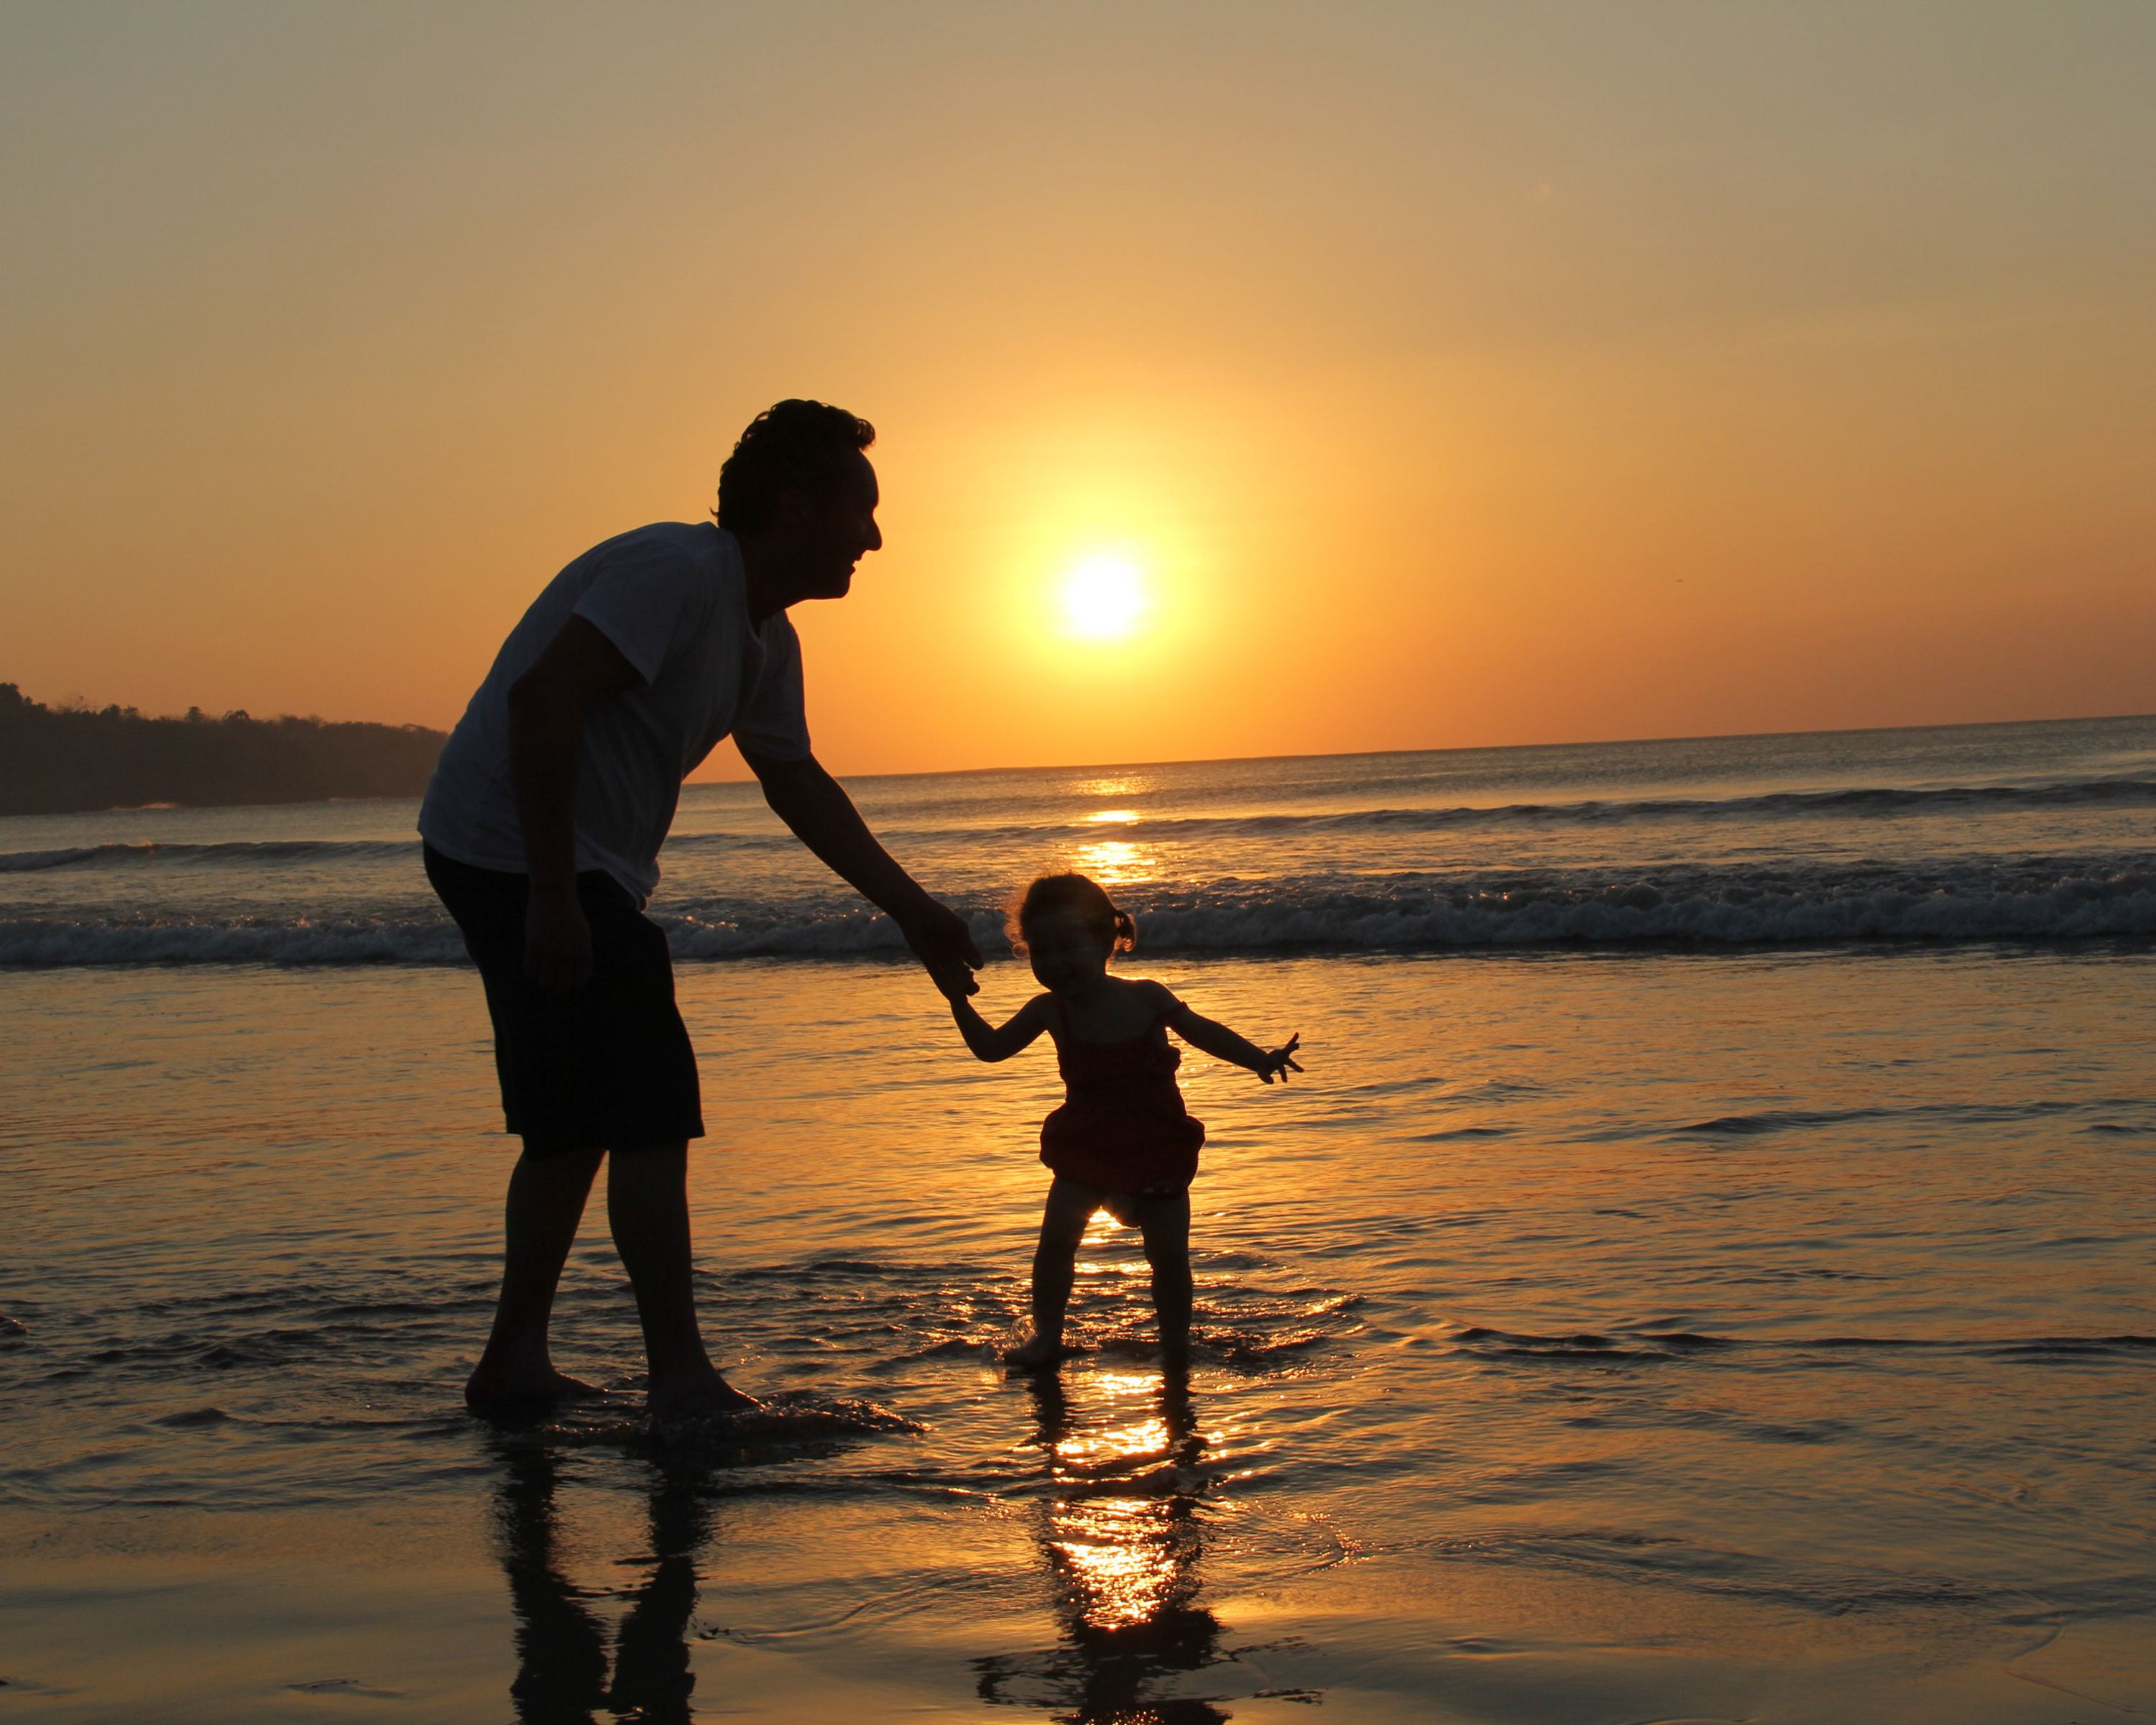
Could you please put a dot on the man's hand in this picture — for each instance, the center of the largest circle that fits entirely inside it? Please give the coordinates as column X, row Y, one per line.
column 557, row 942
column 944, row 945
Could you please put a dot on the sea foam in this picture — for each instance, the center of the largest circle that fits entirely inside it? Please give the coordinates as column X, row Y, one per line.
column 1731, row 906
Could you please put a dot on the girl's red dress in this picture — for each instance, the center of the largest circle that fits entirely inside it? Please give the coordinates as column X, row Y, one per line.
column 1122, row 1126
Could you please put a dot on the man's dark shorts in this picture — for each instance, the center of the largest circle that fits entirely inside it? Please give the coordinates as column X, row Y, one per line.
column 609, row 1067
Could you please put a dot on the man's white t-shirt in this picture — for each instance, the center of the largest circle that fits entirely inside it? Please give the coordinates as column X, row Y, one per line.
column 674, row 599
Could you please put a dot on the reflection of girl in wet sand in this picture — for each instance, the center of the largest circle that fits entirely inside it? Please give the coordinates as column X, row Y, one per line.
column 1122, row 1141
column 1120, row 1531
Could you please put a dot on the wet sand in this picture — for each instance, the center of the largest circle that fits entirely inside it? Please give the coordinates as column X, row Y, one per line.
column 1592, row 1338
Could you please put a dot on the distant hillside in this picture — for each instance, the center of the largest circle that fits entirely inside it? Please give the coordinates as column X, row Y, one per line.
column 62, row 760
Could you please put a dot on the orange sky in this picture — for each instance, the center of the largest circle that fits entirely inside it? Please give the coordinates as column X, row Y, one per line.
column 1454, row 375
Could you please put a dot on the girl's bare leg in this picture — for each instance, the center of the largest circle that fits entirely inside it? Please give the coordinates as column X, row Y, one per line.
column 1070, row 1207
column 1166, row 1223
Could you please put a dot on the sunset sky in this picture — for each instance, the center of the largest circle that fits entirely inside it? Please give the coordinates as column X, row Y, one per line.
column 1406, row 375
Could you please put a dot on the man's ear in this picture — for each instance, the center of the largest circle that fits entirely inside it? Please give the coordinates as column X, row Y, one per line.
column 795, row 508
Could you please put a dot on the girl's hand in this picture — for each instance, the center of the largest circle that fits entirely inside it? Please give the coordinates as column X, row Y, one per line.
column 1281, row 1059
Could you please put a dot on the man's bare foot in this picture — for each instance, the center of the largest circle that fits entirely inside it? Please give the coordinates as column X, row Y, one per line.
column 496, row 1389
column 689, row 1397
column 1040, row 1351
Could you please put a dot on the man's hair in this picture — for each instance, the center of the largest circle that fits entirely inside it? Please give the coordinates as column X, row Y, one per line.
column 797, row 443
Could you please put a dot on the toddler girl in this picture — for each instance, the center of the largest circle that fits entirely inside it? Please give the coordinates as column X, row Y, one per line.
column 1122, row 1141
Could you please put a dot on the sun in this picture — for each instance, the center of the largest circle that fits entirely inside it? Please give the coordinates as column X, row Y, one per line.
column 1103, row 598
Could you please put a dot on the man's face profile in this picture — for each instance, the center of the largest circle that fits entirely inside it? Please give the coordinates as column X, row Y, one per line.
column 838, row 528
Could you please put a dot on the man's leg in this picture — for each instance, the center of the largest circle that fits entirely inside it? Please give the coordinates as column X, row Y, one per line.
column 545, row 1202
column 648, row 1206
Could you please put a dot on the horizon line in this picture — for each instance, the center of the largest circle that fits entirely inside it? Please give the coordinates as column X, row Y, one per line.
column 1125, row 765
column 1487, row 748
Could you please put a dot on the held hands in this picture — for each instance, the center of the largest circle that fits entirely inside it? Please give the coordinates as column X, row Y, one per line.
column 557, row 943
column 944, row 945
column 1281, row 1059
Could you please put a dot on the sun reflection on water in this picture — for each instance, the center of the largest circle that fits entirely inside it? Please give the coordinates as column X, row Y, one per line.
column 1125, row 784
column 1116, row 862
column 1121, row 1537
column 1115, row 1551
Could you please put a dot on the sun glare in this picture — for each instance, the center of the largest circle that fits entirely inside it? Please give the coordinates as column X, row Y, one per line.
column 1103, row 599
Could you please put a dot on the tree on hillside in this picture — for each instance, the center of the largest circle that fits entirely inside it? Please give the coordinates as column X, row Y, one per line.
column 61, row 760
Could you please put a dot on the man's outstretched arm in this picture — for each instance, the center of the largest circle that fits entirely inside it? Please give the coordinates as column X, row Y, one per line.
column 823, row 818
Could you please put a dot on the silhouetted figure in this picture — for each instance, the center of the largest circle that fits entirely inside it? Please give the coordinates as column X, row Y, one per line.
column 561, row 1647
column 1122, row 1141
column 561, row 1664
column 543, row 824
column 1121, row 1540
column 651, row 1676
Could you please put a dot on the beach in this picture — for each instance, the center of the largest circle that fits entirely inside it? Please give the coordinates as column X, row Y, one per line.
column 1703, row 1274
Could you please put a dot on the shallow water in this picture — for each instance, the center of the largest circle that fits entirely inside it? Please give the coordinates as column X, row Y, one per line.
column 2036, row 831
column 1611, row 1335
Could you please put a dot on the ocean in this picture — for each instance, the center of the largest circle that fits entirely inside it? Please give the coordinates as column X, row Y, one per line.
column 1704, row 1273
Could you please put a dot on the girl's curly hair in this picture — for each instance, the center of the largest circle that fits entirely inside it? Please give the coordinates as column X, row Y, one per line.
column 1081, row 896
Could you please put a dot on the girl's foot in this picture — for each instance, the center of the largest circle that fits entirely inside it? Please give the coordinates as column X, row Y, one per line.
column 1040, row 1352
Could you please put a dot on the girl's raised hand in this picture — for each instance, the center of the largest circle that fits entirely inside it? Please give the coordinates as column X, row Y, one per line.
column 1281, row 1059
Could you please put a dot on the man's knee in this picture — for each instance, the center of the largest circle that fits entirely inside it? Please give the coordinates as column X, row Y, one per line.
column 649, row 1161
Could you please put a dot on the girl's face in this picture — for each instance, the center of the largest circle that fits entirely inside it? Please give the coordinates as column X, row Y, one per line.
column 1064, row 953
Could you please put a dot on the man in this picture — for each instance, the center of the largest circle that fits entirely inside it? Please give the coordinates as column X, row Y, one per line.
column 542, row 826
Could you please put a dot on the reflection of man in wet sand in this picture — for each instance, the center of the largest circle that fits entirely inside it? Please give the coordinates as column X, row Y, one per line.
column 562, row 1661
column 1122, row 1549
column 543, row 824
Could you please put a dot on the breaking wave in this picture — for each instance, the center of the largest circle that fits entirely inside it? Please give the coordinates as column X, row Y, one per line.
column 1997, row 899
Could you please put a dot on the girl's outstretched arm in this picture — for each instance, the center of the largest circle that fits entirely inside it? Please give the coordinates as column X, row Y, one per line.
column 999, row 1042
column 1223, row 1043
